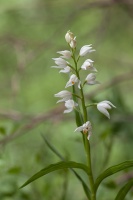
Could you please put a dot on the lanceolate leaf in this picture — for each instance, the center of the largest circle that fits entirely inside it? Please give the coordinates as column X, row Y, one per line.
column 124, row 190
column 53, row 149
column 54, row 167
column 112, row 170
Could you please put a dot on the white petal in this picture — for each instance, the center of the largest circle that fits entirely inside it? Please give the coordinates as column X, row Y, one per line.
column 87, row 124
column 108, row 102
column 62, row 93
column 58, row 67
column 65, row 70
column 80, row 128
column 73, row 79
column 68, row 110
column 64, row 99
column 105, row 105
column 73, row 43
column 60, row 61
column 85, row 50
column 68, row 84
column 89, row 135
column 65, row 54
column 69, row 104
column 69, row 36
column 103, row 110
column 90, row 79
column 61, row 100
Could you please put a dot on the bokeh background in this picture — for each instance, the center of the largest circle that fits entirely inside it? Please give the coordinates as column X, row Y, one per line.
column 31, row 32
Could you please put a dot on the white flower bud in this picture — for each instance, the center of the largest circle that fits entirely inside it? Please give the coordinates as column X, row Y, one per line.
column 73, row 43
column 73, row 79
column 65, row 54
column 69, row 36
column 66, row 70
column 85, row 50
column 64, row 94
column 88, row 64
column 60, row 62
column 70, row 105
column 90, row 79
column 103, row 106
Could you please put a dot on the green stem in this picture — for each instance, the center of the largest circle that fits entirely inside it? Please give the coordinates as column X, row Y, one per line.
column 88, row 152
column 76, row 95
column 91, row 104
column 91, row 179
column 87, row 144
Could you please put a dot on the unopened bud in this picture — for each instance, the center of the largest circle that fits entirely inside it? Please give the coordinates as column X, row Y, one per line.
column 69, row 36
column 73, row 43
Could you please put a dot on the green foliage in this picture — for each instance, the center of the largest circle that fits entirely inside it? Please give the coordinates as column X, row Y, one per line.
column 55, row 151
column 124, row 190
column 54, row 167
column 112, row 170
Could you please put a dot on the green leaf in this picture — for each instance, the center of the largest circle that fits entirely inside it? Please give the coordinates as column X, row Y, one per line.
column 53, row 149
column 124, row 190
column 54, row 167
column 112, row 170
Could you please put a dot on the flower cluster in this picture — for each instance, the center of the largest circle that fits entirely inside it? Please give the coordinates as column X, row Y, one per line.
column 76, row 99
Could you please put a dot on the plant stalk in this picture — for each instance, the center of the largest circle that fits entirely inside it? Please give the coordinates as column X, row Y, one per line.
column 86, row 141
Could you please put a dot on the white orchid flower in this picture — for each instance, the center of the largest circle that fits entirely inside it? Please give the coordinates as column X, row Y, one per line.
column 64, row 94
column 85, row 50
column 65, row 54
column 60, row 62
column 70, row 105
column 103, row 106
column 65, row 70
column 88, row 64
column 73, row 79
column 86, row 128
column 73, row 43
column 90, row 79
column 69, row 36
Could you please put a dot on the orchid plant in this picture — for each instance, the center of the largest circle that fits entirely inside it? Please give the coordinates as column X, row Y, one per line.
column 74, row 99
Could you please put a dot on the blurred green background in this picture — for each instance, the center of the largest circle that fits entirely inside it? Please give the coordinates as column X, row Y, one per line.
column 31, row 32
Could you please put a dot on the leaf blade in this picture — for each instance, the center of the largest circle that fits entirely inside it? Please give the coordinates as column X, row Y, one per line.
column 124, row 190
column 54, row 167
column 112, row 170
column 55, row 151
